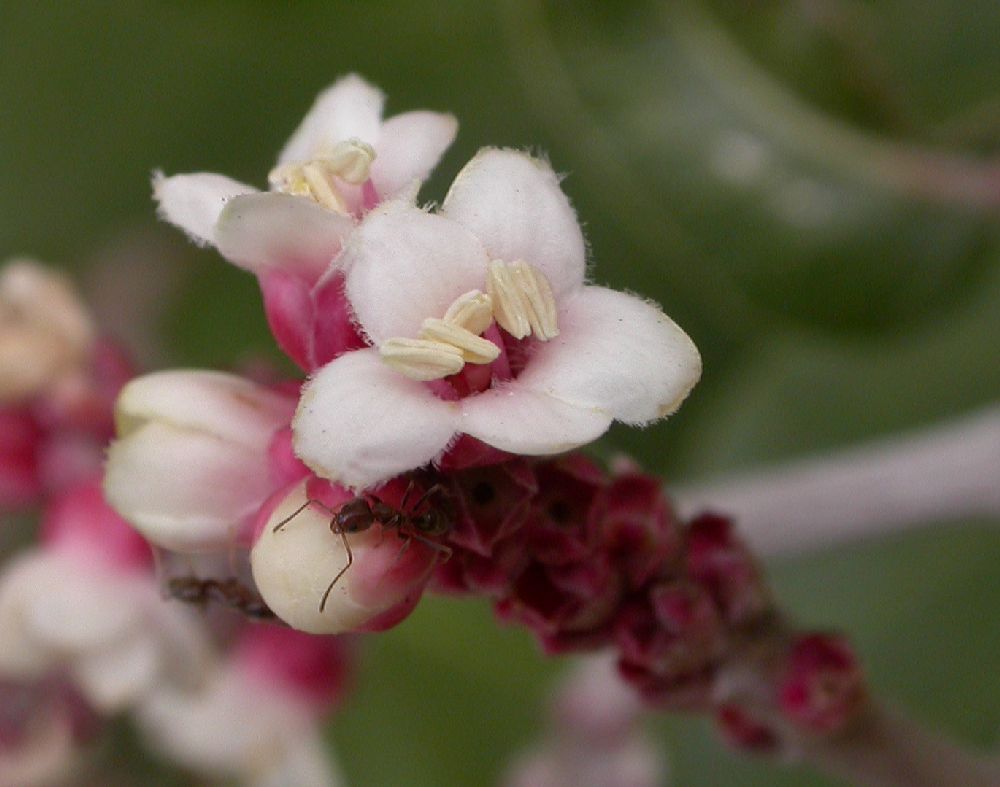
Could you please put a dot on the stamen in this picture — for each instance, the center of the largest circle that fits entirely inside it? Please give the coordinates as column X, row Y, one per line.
column 509, row 306
column 474, row 349
column 348, row 161
column 522, row 300
column 351, row 160
column 422, row 359
column 472, row 311
column 538, row 293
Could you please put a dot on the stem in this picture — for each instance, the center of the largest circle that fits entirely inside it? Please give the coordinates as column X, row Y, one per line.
column 946, row 473
column 886, row 749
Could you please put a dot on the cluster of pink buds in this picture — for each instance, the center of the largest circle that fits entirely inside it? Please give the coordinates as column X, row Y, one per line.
column 58, row 382
column 85, row 630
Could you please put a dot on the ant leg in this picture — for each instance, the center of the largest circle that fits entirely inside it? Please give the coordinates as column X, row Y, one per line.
column 336, row 579
column 442, row 548
column 299, row 510
column 423, row 498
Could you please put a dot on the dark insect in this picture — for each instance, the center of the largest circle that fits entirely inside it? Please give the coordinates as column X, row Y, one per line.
column 230, row 592
column 423, row 519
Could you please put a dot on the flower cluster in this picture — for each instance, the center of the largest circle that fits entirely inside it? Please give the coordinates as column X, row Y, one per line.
column 85, row 632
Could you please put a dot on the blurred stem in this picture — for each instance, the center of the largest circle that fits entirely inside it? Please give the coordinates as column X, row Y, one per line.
column 947, row 473
column 885, row 749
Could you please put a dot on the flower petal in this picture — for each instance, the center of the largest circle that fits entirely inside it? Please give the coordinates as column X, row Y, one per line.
column 222, row 405
column 359, row 422
column 184, row 489
column 260, row 232
column 618, row 354
column 351, row 107
column 193, row 202
column 114, row 677
column 513, row 204
column 404, row 265
column 408, row 148
column 516, row 419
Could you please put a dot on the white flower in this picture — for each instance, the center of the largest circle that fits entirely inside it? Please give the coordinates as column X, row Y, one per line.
column 341, row 160
column 108, row 629
column 190, row 464
column 505, row 246
column 45, row 331
column 239, row 725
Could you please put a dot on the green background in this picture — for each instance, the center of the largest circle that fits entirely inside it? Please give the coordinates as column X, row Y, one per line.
column 768, row 171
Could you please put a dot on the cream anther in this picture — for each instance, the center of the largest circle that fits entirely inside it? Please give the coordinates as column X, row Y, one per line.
column 472, row 310
column 348, row 161
column 522, row 297
column 422, row 359
column 474, row 349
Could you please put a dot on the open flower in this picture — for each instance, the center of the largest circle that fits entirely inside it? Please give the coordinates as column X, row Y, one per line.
column 341, row 162
column 342, row 158
column 481, row 324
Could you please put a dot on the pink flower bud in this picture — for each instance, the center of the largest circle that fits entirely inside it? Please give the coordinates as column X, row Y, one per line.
column 80, row 521
column 823, row 685
column 741, row 731
column 639, row 526
column 322, row 581
column 313, row 668
column 721, row 563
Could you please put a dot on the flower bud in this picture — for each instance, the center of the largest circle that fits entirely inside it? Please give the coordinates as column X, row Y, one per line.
column 823, row 685
column 191, row 461
column 45, row 332
column 307, row 576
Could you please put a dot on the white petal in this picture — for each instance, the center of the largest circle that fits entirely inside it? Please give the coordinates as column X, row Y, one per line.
column 409, row 147
column 359, row 422
column 515, row 419
column 22, row 655
column 78, row 609
column 513, row 204
column 269, row 230
column 304, row 762
column 193, row 202
column 351, row 107
column 223, row 405
column 114, row 677
column 404, row 265
column 618, row 354
column 231, row 726
column 184, row 489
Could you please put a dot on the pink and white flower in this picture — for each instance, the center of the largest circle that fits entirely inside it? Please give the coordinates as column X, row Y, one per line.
column 480, row 323
column 342, row 160
column 86, row 605
column 257, row 716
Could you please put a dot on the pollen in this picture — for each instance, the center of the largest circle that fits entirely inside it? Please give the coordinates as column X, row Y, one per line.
column 472, row 310
column 322, row 177
column 523, row 303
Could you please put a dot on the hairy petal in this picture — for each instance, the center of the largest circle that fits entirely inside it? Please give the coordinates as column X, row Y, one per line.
column 512, row 202
column 360, row 422
column 516, row 419
column 351, row 107
column 409, row 147
column 404, row 265
column 617, row 354
column 193, row 202
column 260, row 232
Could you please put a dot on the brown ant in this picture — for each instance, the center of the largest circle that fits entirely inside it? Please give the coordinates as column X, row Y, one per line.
column 230, row 592
column 362, row 512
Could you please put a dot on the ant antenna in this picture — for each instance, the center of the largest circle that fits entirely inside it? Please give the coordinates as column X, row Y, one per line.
column 350, row 560
column 299, row 510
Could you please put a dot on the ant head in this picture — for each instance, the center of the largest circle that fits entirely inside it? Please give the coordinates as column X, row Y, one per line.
column 353, row 517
